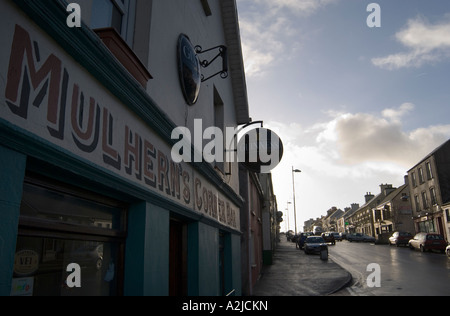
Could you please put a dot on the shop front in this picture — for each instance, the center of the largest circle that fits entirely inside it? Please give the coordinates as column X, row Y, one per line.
column 431, row 223
column 91, row 201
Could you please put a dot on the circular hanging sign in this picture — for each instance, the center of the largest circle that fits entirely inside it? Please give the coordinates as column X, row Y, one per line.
column 189, row 70
column 260, row 150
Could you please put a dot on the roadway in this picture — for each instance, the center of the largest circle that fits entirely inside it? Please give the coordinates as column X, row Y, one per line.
column 402, row 271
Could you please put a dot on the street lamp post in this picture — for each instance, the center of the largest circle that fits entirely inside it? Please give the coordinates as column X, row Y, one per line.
column 293, row 192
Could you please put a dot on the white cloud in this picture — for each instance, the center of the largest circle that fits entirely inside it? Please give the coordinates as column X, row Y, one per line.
column 298, row 6
column 348, row 155
column 396, row 114
column 426, row 43
column 349, row 140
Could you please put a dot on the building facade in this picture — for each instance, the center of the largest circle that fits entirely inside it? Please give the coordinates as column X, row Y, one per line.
column 394, row 213
column 430, row 191
column 251, row 225
column 88, row 175
column 270, row 218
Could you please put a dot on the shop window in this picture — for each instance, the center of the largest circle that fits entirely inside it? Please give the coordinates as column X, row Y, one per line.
column 47, row 275
column 427, row 227
column 60, row 226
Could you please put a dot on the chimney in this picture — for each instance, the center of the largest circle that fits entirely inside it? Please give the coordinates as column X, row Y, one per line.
column 369, row 196
column 406, row 180
column 386, row 189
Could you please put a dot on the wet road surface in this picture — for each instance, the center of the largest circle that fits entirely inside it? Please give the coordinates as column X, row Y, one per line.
column 402, row 271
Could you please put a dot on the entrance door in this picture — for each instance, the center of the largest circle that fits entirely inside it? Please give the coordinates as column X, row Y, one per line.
column 441, row 227
column 177, row 259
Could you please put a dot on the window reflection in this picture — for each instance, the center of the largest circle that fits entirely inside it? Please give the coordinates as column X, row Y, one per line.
column 39, row 202
column 47, row 276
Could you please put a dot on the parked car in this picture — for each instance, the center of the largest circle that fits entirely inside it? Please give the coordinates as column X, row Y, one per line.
column 428, row 241
column 315, row 244
column 360, row 237
column 447, row 251
column 329, row 238
column 400, row 238
column 337, row 236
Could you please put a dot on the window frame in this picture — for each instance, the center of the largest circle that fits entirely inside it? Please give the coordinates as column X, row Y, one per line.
column 127, row 9
column 425, row 200
column 429, row 170
column 51, row 229
column 433, row 196
column 421, row 177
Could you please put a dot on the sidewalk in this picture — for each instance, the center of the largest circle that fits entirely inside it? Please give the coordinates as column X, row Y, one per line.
column 294, row 273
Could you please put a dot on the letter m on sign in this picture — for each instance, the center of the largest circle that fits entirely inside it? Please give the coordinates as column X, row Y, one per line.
column 23, row 70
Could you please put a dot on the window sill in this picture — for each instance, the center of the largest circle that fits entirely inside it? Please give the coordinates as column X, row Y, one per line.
column 120, row 49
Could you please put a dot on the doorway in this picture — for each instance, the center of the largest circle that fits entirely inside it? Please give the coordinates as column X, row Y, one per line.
column 177, row 258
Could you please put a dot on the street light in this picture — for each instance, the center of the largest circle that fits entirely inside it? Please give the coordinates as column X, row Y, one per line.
column 293, row 192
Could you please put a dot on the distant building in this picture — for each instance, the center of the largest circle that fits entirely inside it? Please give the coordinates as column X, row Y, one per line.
column 394, row 213
column 342, row 223
column 361, row 220
column 329, row 223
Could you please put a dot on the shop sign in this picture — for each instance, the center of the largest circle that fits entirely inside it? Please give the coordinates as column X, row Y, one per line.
column 189, row 70
column 26, row 262
column 49, row 95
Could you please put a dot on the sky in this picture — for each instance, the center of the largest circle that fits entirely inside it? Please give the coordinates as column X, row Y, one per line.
column 355, row 106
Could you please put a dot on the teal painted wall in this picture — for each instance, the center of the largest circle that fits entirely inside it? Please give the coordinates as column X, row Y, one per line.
column 147, row 251
column 12, row 173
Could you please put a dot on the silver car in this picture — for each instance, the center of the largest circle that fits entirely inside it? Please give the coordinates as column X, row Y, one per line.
column 360, row 237
column 315, row 244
